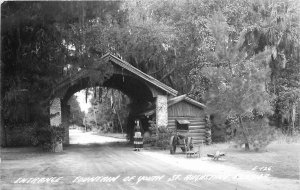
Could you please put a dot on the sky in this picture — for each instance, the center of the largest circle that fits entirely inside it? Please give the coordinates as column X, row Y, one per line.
column 81, row 100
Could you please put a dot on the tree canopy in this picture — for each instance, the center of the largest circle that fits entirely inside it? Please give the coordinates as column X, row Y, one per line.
column 238, row 56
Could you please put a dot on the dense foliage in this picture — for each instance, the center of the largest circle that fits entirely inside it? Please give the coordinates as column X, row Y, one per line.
column 240, row 57
column 48, row 136
column 109, row 111
column 77, row 115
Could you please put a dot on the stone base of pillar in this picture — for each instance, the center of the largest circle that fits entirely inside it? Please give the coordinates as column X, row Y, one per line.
column 58, row 147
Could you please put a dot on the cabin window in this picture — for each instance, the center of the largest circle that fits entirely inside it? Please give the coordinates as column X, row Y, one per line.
column 182, row 124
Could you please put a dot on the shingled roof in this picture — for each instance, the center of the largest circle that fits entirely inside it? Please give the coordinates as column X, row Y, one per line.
column 139, row 73
column 176, row 100
column 115, row 60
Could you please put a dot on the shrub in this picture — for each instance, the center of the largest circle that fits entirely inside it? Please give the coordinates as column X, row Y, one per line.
column 282, row 138
column 164, row 136
column 149, row 140
column 47, row 137
column 258, row 132
column 19, row 134
column 161, row 140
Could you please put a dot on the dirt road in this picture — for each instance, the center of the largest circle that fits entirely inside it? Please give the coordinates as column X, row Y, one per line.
column 115, row 165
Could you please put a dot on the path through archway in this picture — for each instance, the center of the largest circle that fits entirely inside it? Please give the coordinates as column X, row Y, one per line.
column 144, row 91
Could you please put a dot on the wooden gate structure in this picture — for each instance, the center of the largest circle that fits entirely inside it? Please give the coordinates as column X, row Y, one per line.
column 143, row 90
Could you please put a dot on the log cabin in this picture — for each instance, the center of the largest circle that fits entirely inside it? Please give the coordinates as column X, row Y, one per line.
column 186, row 116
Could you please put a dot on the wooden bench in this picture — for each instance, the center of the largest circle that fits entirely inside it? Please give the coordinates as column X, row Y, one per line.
column 194, row 152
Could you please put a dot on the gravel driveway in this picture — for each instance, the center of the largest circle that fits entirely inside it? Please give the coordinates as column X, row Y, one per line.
column 111, row 164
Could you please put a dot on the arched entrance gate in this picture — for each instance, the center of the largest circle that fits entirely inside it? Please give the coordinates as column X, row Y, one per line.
column 143, row 90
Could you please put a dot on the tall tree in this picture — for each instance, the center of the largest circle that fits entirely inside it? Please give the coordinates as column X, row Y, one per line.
column 76, row 114
column 237, row 81
column 42, row 39
column 39, row 42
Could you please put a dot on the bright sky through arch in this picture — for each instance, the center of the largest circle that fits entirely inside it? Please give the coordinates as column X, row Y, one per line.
column 80, row 96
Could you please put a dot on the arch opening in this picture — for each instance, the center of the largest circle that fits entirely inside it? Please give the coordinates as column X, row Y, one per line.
column 139, row 95
column 102, row 117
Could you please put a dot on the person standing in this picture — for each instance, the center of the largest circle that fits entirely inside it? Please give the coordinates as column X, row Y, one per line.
column 138, row 139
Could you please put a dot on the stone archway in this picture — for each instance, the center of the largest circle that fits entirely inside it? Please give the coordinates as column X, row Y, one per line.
column 144, row 91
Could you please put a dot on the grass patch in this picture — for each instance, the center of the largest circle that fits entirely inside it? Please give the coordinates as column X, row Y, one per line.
column 287, row 139
column 282, row 157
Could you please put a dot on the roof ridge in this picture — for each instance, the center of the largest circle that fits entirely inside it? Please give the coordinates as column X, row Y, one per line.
column 145, row 75
column 175, row 100
column 187, row 98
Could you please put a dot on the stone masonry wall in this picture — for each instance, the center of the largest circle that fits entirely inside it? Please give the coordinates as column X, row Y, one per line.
column 55, row 108
column 161, row 111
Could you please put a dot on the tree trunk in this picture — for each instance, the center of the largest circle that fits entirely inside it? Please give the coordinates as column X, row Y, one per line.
column 3, row 134
column 95, row 116
column 293, row 115
column 119, row 121
column 247, row 148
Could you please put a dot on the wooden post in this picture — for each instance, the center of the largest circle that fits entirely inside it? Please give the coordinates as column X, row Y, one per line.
column 208, row 130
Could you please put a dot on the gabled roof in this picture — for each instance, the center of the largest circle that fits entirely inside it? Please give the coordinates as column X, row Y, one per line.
column 123, row 64
column 176, row 100
column 184, row 97
column 139, row 73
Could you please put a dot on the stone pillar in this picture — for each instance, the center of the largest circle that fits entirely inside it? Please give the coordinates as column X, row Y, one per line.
column 56, row 120
column 65, row 122
column 55, row 112
column 161, row 111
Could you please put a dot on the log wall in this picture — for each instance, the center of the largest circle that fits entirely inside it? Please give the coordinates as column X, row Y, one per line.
column 184, row 109
column 197, row 128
